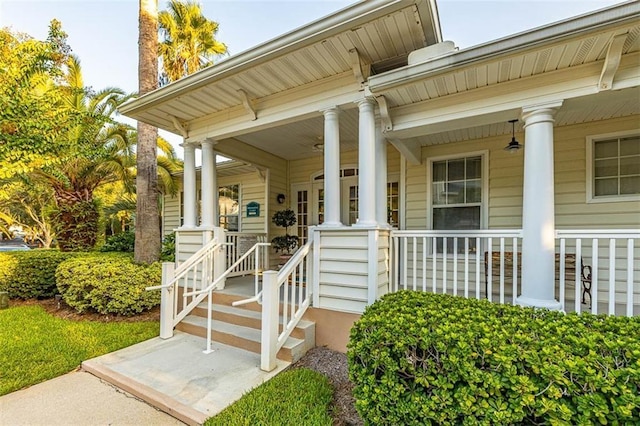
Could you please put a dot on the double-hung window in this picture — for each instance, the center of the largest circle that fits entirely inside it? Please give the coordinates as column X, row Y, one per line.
column 613, row 167
column 229, row 205
column 457, row 197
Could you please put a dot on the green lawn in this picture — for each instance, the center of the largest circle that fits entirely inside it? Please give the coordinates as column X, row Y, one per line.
column 295, row 397
column 36, row 346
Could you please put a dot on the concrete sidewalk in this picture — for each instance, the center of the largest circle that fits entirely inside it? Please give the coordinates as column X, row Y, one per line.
column 125, row 387
column 78, row 399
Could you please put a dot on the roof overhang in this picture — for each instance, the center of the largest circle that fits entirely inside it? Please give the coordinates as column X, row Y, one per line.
column 289, row 61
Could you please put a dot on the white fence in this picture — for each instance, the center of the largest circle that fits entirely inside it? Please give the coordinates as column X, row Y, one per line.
column 238, row 243
column 601, row 266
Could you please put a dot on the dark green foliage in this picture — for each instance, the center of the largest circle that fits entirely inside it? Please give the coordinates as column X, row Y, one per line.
column 108, row 284
column 418, row 358
column 122, row 242
column 77, row 225
column 30, row 274
column 294, row 397
column 284, row 243
column 168, row 250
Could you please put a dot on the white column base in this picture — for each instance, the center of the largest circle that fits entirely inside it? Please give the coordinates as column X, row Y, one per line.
column 331, row 225
column 553, row 304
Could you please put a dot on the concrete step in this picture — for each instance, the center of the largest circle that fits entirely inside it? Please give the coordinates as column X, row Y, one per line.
column 242, row 337
column 253, row 319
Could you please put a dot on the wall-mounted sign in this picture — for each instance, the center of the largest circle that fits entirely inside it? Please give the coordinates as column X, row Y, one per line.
column 253, row 209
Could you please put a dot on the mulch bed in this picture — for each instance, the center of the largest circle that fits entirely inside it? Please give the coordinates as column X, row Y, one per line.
column 334, row 366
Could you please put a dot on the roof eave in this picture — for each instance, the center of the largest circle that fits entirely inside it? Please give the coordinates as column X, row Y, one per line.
column 293, row 40
column 587, row 23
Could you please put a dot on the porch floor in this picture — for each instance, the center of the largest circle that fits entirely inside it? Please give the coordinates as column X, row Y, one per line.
column 175, row 375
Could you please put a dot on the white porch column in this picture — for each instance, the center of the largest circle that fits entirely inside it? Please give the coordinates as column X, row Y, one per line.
column 331, row 167
column 209, row 185
column 381, row 176
column 366, row 164
column 538, row 210
column 189, row 186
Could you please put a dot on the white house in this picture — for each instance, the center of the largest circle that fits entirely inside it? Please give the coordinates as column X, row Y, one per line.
column 389, row 144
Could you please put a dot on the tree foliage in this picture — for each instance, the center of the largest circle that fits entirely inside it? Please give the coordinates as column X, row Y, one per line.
column 188, row 41
column 33, row 114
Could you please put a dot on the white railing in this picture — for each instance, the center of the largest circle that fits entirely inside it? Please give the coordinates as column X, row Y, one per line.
column 453, row 262
column 596, row 270
column 290, row 286
column 607, row 269
column 190, row 276
column 238, row 244
column 208, row 291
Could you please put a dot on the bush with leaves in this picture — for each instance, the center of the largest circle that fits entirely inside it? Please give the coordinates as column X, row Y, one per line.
column 108, row 284
column 418, row 358
column 168, row 250
column 30, row 274
column 122, row 242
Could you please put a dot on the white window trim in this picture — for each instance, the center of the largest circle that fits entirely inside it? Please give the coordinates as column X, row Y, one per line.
column 484, row 202
column 590, row 197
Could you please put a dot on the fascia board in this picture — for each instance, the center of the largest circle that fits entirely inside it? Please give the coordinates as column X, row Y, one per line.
column 625, row 13
column 318, row 30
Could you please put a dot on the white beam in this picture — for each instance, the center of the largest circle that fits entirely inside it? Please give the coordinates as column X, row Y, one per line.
column 410, row 149
column 361, row 70
column 180, row 127
column 612, row 62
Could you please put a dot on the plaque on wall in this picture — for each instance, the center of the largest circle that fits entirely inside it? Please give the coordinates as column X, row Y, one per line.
column 253, row 209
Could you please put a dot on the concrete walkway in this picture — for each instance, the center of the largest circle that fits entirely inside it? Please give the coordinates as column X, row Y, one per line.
column 177, row 377
column 123, row 387
column 78, row 399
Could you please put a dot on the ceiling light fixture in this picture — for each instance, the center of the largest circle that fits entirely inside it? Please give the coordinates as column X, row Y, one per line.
column 319, row 147
column 514, row 145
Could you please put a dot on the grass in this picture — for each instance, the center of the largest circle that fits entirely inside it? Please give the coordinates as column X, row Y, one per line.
column 295, row 397
column 37, row 346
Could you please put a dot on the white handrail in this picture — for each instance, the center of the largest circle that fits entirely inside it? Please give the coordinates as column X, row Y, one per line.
column 209, row 290
column 296, row 298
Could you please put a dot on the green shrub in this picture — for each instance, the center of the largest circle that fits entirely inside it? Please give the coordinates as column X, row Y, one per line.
column 419, row 358
column 108, row 284
column 30, row 274
column 122, row 242
column 168, row 250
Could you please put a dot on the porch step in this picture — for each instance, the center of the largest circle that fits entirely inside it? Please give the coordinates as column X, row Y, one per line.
column 247, row 338
column 251, row 318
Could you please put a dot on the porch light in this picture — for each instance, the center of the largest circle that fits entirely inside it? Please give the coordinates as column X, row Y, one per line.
column 514, row 145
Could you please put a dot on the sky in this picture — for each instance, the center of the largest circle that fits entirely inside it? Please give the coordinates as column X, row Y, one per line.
column 104, row 33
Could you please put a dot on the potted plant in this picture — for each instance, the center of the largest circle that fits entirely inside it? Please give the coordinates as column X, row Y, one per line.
column 286, row 243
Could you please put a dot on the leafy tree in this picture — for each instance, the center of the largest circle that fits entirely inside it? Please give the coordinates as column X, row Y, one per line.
column 33, row 114
column 147, row 241
column 30, row 206
column 188, row 40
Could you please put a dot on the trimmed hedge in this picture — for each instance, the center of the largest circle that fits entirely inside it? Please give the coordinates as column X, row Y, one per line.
column 122, row 242
column 30, row 274
column 418, row 358
column 108, row 284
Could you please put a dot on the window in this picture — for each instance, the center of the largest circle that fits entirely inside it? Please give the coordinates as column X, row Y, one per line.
column 614, row 163
column 457, row 196
column 393, row 204
column 229, row 205
column 302, row 215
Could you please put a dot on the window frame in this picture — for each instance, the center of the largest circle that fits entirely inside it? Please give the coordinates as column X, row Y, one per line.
column 591, row 198
column 238, row 215
column 484, row 178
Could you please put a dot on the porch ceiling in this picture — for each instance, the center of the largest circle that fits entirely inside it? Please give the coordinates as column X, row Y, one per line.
column 383, row 32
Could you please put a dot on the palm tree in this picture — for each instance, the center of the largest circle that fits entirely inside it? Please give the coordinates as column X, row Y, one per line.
column 189, row 42
column 101, row 150
column 147, row 237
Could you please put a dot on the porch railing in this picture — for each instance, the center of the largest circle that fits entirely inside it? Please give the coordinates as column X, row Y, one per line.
column 189, row 277
column 613, row 270
column 238, row 244
column 290, row 287
column 487, row 264
column 212, row 284
column 451, row 262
